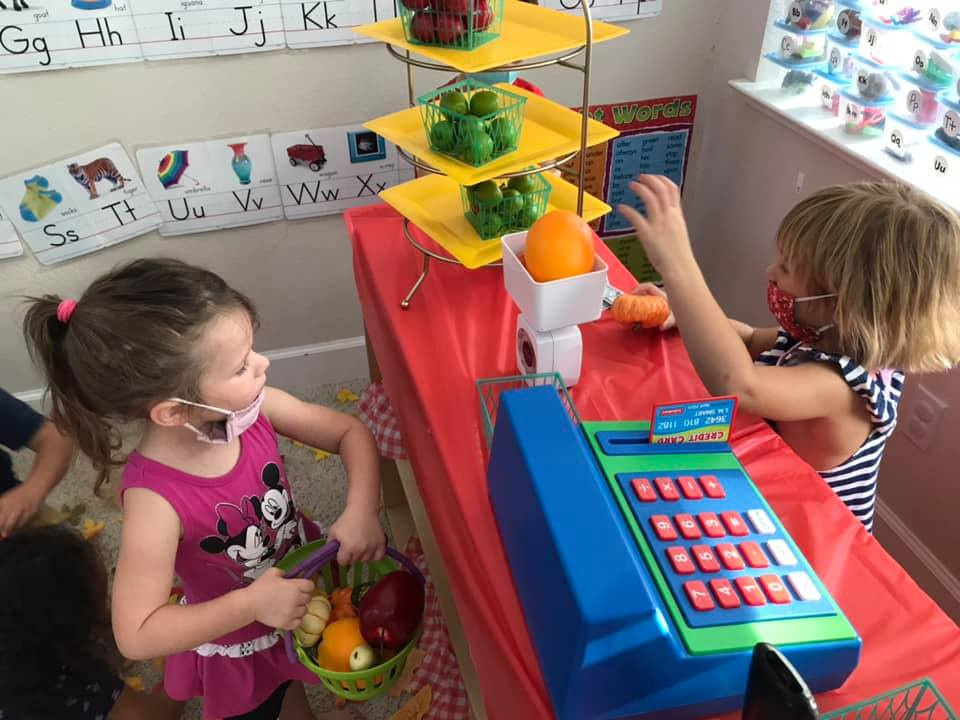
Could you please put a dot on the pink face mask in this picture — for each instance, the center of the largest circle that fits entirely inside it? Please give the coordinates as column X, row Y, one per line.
column 237, row 421
column 783, row 307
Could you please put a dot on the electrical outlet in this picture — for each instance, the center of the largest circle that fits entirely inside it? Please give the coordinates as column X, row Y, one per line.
column 921, row 425
column 801, row 176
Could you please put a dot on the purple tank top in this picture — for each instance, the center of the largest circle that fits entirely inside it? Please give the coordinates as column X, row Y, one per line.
column 234, row 527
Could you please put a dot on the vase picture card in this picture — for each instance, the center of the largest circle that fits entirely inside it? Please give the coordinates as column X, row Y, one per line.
column 214, row 184
column 79, row 204
column 328, row 170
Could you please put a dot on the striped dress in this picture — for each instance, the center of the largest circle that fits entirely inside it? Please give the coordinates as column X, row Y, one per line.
column 855, row 480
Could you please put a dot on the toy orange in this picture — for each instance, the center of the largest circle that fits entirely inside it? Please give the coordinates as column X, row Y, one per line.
column 340, row 639
column 559, row 245
column 648, row 311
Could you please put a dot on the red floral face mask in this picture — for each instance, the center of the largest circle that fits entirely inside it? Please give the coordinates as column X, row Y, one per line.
column 783, row 306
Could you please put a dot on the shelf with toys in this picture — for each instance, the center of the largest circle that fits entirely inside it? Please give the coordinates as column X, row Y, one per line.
column 498, row 154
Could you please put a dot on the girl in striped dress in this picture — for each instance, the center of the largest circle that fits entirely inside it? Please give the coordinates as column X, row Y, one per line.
column 865, row 287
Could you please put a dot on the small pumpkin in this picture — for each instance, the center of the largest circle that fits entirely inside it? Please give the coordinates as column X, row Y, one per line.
column 648, row 311
column 340, row 639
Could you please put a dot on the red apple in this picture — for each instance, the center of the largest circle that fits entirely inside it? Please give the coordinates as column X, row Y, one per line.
column 416, row 4
column 483, row 16
column 391, row 610
column 423, row 27
column 450, row 29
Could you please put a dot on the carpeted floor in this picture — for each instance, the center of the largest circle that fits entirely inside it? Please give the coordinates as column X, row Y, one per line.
column 320, row 488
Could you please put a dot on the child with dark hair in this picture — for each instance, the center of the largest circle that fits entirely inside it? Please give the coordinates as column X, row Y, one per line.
column 205, row 496
column 57, row 658
column 20, row 427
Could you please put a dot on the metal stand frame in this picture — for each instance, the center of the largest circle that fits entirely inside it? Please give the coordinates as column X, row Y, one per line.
column 564, row 60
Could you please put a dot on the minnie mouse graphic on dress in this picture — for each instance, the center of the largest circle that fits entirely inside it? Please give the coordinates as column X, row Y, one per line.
column 253, row 533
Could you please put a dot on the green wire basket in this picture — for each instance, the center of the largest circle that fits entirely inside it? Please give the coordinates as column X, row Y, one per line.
column 917, row 701
column 471, row 132
column 317, row 561
column 452, row 24
column 491, row 389
column 514, row 211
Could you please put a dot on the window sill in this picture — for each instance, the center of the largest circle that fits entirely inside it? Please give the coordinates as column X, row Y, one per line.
column 805, row 116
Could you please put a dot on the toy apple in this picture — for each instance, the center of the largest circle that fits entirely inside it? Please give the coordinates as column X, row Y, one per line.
column 391, row 610
column 423, row 27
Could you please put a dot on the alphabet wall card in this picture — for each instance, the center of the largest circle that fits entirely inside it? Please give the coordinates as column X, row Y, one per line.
column 328, row 170
column 51, row 34
column 191, row 28
column 78, row 205
column 212, row 185
column 9, row 242
column 610, row 10
column 315, row 23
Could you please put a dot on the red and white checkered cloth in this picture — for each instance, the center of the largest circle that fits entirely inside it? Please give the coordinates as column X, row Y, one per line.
column 376, row 412
column 439, row 668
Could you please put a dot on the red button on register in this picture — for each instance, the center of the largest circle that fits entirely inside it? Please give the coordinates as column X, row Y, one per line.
column 775, row 589
column 712, row 487
column 730, row 557
column 754, row 555
column 699, row 597
column 689, row 488
column 706, row 559
column 735, row 524
column 711, row 525
column 668, row 491
column 726, row 595
column 663, row 527
column 643, row 489
column 688, row 527
column 680, row 559
column 751, row 592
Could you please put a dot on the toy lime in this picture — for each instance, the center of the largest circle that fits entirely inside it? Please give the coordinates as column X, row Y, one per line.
column 524, row 184
column 454, row 102
column 483, row 103
column 443, row 137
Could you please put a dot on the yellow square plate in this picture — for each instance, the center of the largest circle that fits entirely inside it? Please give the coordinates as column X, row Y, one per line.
column 433, row 204
column 528, row 31
column 550, row 130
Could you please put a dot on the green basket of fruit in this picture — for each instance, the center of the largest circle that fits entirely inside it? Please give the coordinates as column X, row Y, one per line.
column 472, row 122
column 455, row 24
column 362, row 622
column 497, row 208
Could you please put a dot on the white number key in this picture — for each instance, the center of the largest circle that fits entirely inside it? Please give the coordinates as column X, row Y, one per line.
column 781, row 552
column 762, row 524
column 803, row 586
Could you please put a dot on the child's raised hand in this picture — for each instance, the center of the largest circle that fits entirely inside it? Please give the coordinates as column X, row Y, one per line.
column 278, row 601
column 663, row 231
column 360, row 536
column 651, row 289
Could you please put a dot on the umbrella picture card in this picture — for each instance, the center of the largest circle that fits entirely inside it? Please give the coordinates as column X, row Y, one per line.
column 313, row 23
column 67, row 33
column 193, row 28
column 212, row 184
column 9, row 242
column 323, row 171
column 78, row 205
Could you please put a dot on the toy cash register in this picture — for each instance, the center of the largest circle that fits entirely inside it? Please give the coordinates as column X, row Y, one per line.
column 647, row 573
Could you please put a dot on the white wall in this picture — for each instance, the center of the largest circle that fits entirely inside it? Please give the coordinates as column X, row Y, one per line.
column 299, row 273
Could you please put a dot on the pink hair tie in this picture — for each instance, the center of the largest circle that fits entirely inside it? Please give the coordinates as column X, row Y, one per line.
column 65, row 310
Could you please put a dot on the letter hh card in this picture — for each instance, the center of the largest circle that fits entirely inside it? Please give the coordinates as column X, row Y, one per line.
column 67, row 33
column 328, row 170
column 79, row 204
column 211, row 185
column 191, row 28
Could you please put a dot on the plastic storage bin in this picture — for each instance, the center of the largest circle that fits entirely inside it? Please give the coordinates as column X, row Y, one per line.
column 897, row 13
column 920, row 104
column 874, row 82
column 795, row 78
column 801, row 46
column 888, row 45
column 828, row 89
column 811, row 14
column 861, row 116
column 933, row 65
column 849, row 24
column 949, row 130
column 840, row 56
column 904, row 138
column 941, row 23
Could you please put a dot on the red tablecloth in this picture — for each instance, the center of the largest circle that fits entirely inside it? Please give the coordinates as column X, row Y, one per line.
column 460, row 327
